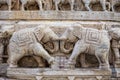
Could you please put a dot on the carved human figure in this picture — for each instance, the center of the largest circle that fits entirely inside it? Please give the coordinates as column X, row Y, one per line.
column 30, row 2
column 62, row 1
column 115, row 35
column 88, row 2
column 90, row 41
column 29, row 42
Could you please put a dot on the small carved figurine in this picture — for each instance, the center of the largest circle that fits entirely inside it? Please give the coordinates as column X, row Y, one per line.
column 113, row 3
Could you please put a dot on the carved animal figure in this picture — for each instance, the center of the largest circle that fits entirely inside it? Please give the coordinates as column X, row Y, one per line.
column 113, row 3
column 32, row 1
column 90, row 41
column 29, row 42
column 88, row 2
column 8, row 3
column 114, row 34
column 62, row 1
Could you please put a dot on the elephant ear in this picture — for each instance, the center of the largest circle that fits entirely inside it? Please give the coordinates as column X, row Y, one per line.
column 115, row 33
column 39, row 33
column 78, row 32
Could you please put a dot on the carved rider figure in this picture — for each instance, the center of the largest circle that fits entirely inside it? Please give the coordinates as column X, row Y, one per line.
column 116, row 49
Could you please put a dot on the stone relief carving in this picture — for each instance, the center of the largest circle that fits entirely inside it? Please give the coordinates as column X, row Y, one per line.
column 24, row 2
column 63, row 1
column 5, row 35
column 73, row 5
column 29, row 42
column 88, row 2
column 8, row 3
column 90, row 41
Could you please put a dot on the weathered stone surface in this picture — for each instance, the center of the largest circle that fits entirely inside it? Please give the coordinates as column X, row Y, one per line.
column 117, row 72
column 59, row 15
column 25, row 73
column 3, row 69
column 62, row 60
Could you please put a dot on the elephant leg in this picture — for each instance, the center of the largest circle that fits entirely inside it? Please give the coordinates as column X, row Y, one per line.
column 40, row 51
column 56, row 6
column 103, row 3
column 40, row 4
column 72, row 5
column 23, row 4
column 78, row 49
column 113, row 8
column 1, row 52
column 14, row 58
column 87, row 7
column 15, row 54
column 102, row 56
column 23, row 9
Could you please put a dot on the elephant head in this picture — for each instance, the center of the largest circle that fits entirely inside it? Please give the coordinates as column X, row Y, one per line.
column 7, row 30
column 114, row 33
column 44, row 35
column 71, row 35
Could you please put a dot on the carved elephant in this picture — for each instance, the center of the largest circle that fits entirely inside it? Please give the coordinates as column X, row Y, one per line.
column 29, row 42
column 62, row 1
column 88, row 2
column 30, row 2
column 91, row 41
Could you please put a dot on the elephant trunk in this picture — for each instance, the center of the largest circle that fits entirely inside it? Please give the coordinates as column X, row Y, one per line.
column 62, row 47
column 55, row 47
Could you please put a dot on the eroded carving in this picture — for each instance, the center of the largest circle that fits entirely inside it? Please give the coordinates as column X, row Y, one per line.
column 79, row 5
column 90, row 41
column 115, row 44
column 29, row 42
column 113, row 3
column 24, row 2
column 88, row 2
column 8, row 3
column 57, row 2
column 6, row 32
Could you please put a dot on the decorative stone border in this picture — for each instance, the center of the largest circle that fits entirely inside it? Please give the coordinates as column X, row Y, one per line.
column 59, row 15
column 40, row 74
